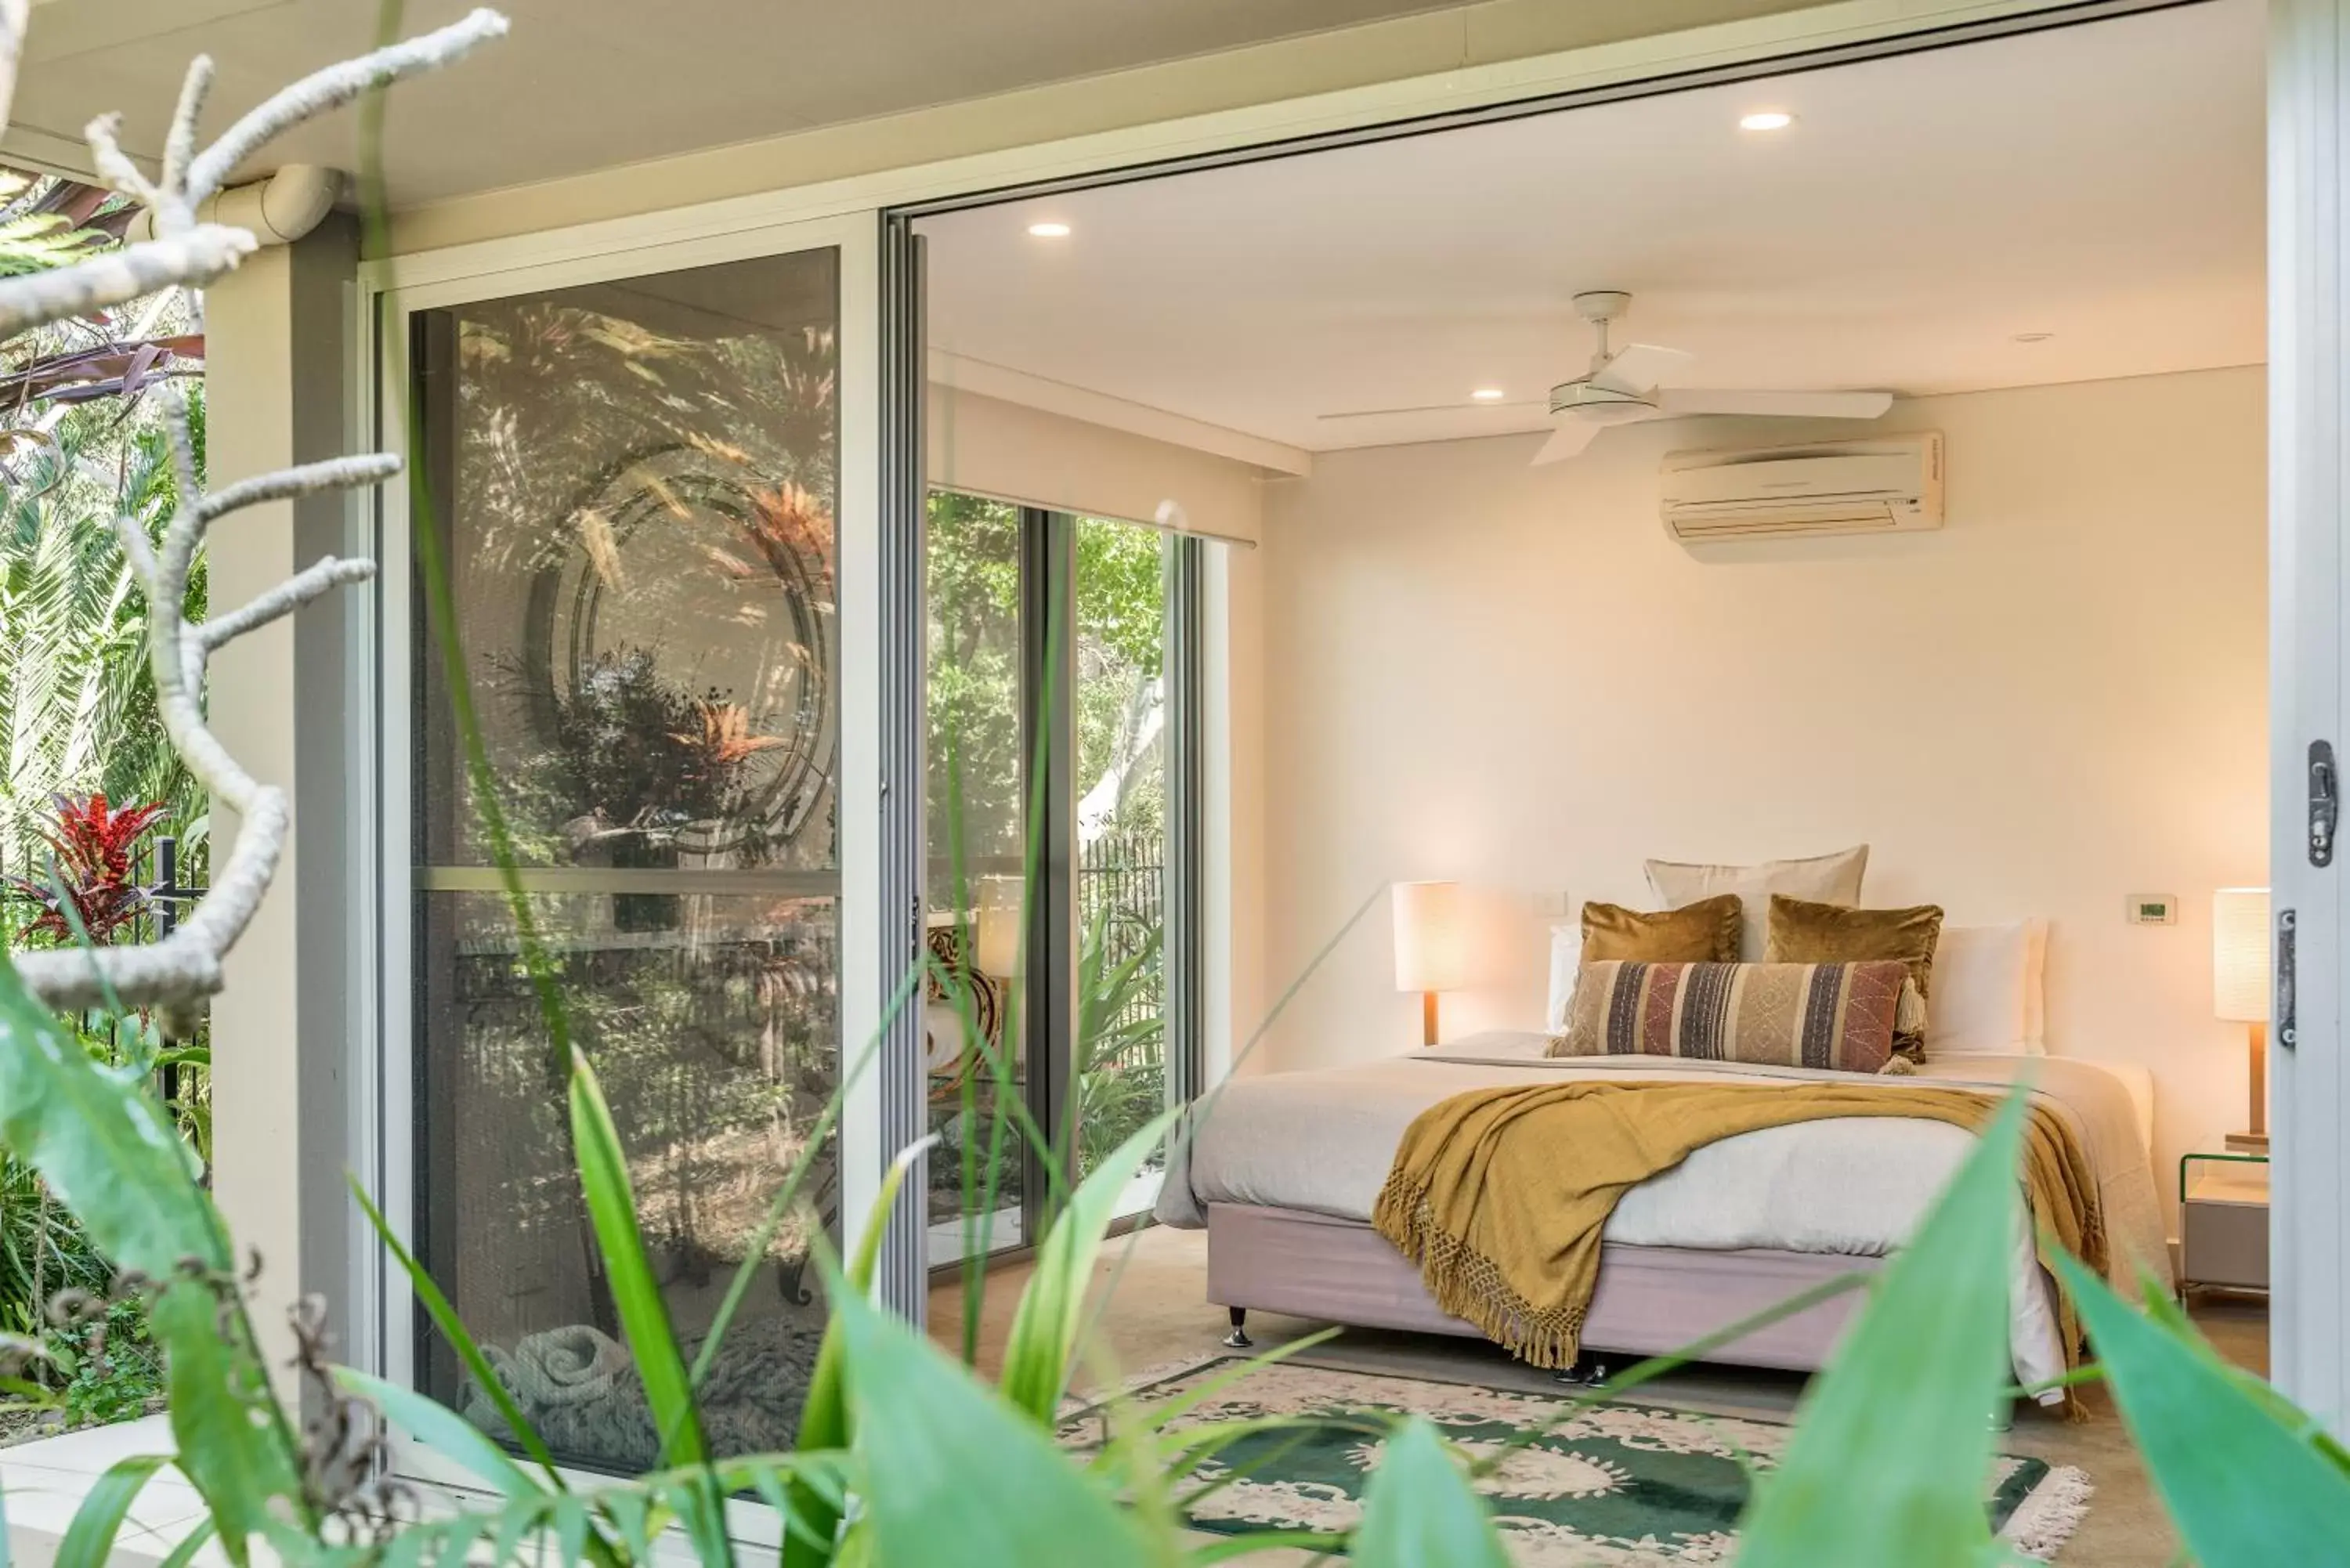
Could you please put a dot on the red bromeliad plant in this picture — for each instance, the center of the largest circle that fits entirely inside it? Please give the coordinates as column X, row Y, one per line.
column 94, row 849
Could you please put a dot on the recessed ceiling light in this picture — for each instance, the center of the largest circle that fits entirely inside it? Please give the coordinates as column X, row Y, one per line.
column 2033, row 337
column 1766, row 119
column 1049, row 231
column 1488, row 394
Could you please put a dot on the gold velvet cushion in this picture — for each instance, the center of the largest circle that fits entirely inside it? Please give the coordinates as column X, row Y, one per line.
column 1801, row 932
column 1840, row 1016
column 1703, row 932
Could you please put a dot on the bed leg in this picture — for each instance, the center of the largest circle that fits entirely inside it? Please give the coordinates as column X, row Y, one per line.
column 1238, row 1339
column 1588, row 1372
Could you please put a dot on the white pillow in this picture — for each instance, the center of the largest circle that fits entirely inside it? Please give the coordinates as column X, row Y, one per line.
column 1566, row 958
column 1988, row 991
column 1823, row 880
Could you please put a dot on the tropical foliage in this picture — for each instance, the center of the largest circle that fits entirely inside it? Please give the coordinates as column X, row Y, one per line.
column 78, row 447
column 77, row 696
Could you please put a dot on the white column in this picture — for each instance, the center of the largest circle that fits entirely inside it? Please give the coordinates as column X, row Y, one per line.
column 283, row 1042
column 2309, row 300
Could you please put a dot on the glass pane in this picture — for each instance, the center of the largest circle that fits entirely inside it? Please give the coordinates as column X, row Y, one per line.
column 976, row 866
column 636, row 486
column 1121, row 782
column 639, row 480
column 716, row 1040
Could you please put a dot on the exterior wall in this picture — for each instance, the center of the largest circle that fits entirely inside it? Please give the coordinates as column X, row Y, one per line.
column 275, row 387
column 1513, row 677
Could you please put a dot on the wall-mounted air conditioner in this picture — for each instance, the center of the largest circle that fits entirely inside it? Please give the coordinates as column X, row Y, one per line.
column 1892, row 485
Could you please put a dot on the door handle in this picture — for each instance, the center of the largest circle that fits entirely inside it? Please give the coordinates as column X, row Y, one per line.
column 2324, row 803
column 2288, row 1031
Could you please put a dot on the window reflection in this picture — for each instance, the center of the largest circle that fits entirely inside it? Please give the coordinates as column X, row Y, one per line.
column 637, row 485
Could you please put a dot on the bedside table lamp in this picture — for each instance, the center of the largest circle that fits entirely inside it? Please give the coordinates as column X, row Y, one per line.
column 998, row 922
column 2240, row 991
column 1428, row 942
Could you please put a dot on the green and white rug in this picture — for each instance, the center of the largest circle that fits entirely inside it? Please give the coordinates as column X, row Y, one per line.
column 1618, row 1486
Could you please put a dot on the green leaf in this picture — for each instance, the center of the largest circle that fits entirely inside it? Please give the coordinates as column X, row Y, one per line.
column 520, row 1517
column 230, row 1434
column 184, row 1553
column 636, row 1291
column 1038, row 1353
column 1420, row 1509
column 824, row 1414
column 954, row 1474
column 436, row 1425
column 1908, row 1401
column 104, row 1147
column 444, row 1317
column 89, row 1539
column 2245, row 1488
column 637, row 1297
column 112, row 1157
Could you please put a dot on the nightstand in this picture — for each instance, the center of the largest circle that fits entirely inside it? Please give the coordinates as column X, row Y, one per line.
column 2223, row 1221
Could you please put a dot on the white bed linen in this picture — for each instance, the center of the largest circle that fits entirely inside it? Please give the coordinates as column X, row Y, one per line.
column 1324, row 1141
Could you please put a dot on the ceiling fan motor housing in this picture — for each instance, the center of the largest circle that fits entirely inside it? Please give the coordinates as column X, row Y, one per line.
column 1597, row 404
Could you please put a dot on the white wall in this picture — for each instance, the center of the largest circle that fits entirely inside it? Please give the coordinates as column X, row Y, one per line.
column 1513, row 677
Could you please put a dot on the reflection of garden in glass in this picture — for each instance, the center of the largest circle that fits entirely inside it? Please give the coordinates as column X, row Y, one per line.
column 642, row 554
column 639, row 482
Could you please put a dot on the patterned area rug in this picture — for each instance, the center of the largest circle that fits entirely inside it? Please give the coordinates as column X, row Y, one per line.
column 1620, row 1486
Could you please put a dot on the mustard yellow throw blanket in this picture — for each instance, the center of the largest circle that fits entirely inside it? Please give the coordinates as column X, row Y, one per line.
column 1500, row 1195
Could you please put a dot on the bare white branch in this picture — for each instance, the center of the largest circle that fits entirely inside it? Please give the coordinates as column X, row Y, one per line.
column 114, row 165
column 331, row 88
column 182, row 440
column 180, row 145
column 181, row 970
column 289, row 484
column 101, row 283
column 321, row 577
column 133, row 539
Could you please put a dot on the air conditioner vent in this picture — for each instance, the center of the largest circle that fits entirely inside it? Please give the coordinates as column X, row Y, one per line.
column 1890, row 485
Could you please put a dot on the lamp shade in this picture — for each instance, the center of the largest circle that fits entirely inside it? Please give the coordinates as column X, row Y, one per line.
column 2239, row 954
column 1427, row 936
column 999, row 926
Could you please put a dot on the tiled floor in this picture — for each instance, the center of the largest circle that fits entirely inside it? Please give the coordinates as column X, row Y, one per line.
column 1154, row 1316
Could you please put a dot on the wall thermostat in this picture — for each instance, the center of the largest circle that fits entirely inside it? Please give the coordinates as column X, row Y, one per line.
column 2153, row 909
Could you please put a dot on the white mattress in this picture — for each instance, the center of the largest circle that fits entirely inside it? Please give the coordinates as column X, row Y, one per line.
column 1323, row 1141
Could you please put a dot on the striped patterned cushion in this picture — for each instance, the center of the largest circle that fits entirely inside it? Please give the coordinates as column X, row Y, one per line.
column 1833, row 1015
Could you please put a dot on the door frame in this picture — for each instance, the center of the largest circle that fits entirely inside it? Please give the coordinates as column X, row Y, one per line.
column 383, row 1323
column 2309, row 695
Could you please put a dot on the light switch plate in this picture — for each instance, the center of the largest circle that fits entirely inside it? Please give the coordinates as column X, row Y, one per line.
column 2153, row 909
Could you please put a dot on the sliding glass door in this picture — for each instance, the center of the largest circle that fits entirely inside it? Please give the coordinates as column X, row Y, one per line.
column 626, row 684
column 1055, row 843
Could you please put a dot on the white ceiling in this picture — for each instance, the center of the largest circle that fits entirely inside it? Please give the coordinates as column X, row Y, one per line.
column 588, row 84
column 2103, row 182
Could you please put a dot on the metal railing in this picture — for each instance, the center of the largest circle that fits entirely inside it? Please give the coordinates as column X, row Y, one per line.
column 1122, row 886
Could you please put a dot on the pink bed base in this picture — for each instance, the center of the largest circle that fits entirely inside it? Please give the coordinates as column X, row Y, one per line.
column 1650, row 1300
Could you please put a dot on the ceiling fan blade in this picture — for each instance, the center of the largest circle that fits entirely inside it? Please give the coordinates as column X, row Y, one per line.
column 1433, row 408
column 1788, row 405
column 1636, row 367
column 1571, row 437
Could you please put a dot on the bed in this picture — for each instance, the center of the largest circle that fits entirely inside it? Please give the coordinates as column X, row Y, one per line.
column 1282, row 1171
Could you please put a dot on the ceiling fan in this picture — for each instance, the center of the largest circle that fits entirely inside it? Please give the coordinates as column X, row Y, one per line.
column 1623, row 387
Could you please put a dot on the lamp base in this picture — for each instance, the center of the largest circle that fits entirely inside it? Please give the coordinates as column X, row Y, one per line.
column 2255, row 1140
column 1428, row 1018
